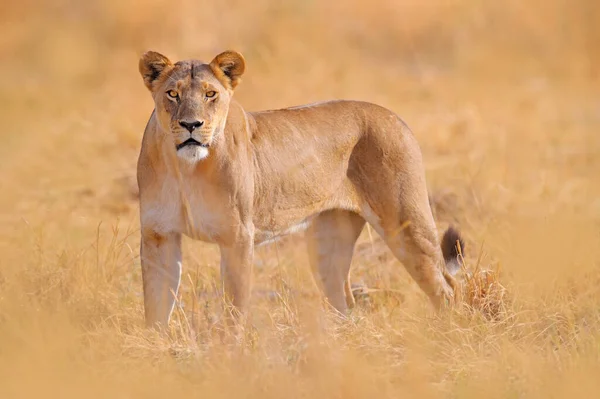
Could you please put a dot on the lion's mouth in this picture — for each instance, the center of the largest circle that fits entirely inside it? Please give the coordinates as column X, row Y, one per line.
column 190, row 141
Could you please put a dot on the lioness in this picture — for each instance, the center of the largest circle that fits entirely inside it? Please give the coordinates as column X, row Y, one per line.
column 214, row 172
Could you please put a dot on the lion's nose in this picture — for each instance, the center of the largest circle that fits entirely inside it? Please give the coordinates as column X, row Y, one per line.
column 191, row 126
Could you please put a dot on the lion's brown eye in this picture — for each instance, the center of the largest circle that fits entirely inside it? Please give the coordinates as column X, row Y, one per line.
column 211, row 94
column 172, row 94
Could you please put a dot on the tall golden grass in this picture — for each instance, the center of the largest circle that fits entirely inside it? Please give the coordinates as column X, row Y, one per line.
column 503, row 97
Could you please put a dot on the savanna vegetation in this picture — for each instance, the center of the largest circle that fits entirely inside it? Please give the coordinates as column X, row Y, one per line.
column 504, row 99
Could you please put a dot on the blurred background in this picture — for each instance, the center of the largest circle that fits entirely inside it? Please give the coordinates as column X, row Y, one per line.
column 503, row 97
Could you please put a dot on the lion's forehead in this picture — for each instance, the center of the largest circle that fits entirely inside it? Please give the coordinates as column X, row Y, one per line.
column 192, row 73
column 196, row 84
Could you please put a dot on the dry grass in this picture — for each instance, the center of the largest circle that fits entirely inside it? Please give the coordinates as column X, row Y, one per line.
column 503, row 97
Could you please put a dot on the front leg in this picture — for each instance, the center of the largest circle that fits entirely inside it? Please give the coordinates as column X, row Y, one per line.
column 236, row 272
column 161, row 273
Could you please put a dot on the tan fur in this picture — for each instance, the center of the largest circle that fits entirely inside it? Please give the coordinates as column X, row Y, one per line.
column 260, row 175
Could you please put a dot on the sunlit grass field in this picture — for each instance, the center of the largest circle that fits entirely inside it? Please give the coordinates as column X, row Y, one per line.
column 504, row 98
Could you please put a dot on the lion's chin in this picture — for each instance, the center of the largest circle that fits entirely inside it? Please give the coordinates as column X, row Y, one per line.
column 192, row 153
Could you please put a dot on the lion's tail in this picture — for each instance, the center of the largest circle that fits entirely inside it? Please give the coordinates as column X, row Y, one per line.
column 453, row 248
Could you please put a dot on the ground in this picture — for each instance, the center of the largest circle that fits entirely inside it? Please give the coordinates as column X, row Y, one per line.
column 504, row 100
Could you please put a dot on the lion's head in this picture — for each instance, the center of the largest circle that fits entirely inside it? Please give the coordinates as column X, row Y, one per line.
column 192, row 98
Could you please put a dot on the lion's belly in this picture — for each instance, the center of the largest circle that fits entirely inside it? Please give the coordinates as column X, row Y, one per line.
column 276, row 223
column 266, row 236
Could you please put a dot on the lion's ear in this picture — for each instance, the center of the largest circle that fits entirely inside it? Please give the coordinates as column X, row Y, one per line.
column 228, row 67
column 152, row 65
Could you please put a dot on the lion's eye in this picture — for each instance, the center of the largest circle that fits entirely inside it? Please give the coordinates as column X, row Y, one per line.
column 172, row 94
column 211, row 94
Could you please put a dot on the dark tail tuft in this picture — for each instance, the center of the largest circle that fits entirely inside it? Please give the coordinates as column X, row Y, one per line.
column 450, row 244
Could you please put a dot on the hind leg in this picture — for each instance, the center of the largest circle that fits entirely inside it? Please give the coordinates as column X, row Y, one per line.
column 330, row 239
column 386, row 169
column 416, row 246
column 408, row 229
